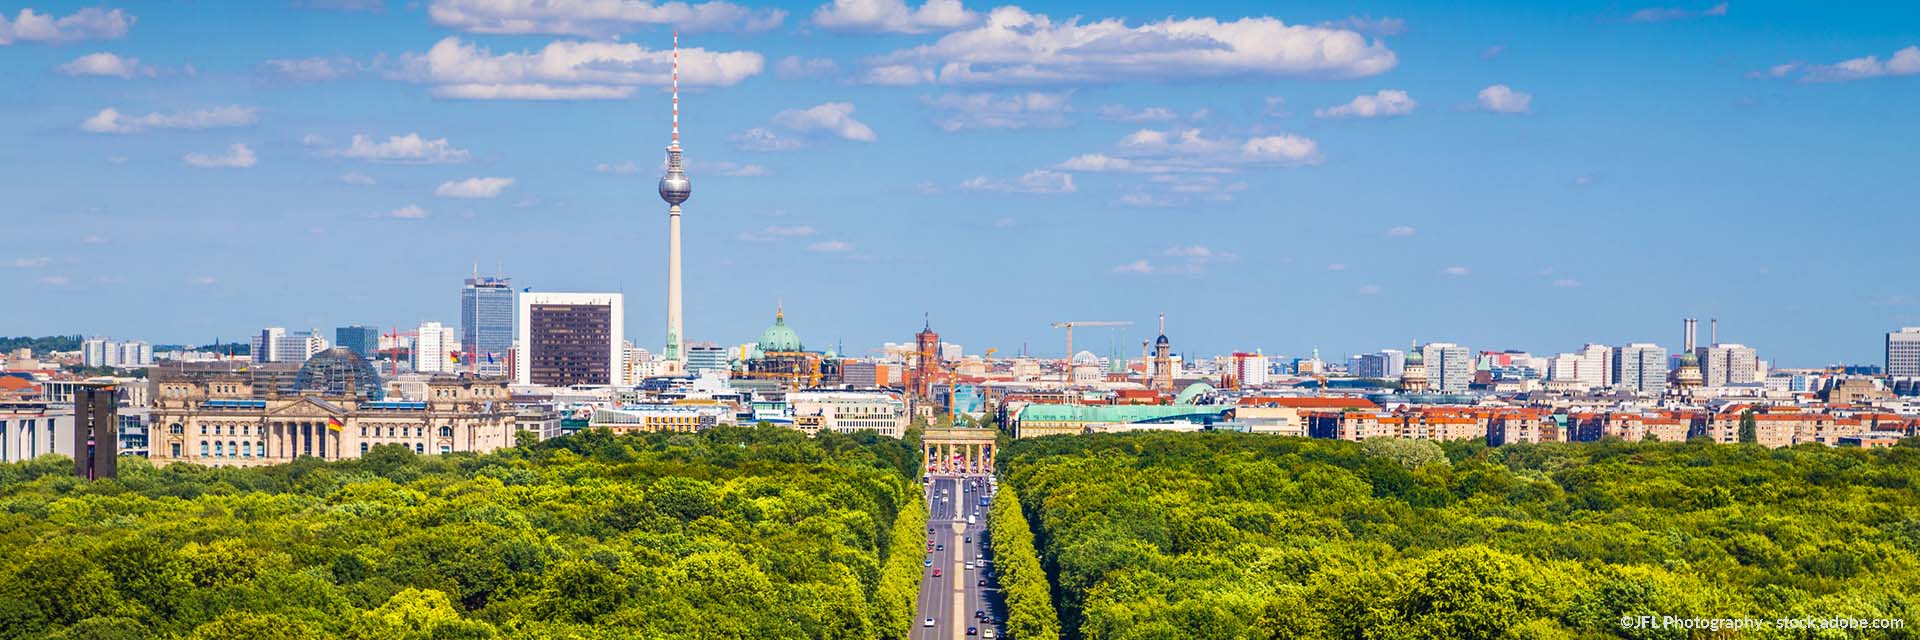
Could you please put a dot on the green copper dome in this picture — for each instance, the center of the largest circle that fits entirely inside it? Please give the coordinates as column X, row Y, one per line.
column 779, row 337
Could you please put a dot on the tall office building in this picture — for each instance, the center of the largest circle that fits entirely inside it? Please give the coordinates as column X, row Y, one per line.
column 96, row 431
column 486, row 324
column 1385, row 364
column 570, row 338
column 102, row 352
column 360, row 339
column 1641, row 367
column 674, row 188
column 275, row 344
column 1724, row 364
column 1449, row 367
column 434, row 348
column 1903, row 352
column 1250, row 368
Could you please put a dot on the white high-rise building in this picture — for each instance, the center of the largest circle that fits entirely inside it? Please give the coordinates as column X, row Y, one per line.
column 1903, row 352
column 434, row 346
column 1641, row 367
column 95, row 352
column 1724, row 364
column 274, row 344
column 1591, row 366
column 1449, row 367
column 132, row 353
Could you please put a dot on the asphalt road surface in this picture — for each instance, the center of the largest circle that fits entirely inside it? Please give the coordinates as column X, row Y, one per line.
column 952, row 599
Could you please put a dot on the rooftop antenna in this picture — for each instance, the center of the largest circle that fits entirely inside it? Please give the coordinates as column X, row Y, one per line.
column 676, row 89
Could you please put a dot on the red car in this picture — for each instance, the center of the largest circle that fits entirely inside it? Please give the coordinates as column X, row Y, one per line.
column 936, row 572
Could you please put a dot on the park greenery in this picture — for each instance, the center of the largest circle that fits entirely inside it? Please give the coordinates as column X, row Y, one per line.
column 730, row 533
column 1022, row 581
column 1221, row 535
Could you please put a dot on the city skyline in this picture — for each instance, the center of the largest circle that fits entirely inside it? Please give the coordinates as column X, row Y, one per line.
column 1499, row 179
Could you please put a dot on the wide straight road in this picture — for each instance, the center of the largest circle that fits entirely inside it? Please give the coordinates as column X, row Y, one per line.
column 960, row 598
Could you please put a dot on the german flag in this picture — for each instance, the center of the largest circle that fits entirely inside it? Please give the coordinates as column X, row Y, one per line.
column 334, row 424
column 453, row 357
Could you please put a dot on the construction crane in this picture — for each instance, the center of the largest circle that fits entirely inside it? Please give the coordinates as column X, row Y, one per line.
column 1069, row 325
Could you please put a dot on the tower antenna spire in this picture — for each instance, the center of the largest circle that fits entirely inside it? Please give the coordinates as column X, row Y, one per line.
column 676, row 87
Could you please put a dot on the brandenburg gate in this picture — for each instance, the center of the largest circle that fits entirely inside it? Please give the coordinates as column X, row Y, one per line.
column 966, row 450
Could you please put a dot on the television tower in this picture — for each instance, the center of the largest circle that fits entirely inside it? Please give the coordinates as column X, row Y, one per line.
column 674, row 188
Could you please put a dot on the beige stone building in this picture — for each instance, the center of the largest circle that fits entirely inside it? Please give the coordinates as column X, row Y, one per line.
column 217, row 421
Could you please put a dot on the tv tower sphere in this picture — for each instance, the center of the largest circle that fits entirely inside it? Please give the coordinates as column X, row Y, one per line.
column 674, row 187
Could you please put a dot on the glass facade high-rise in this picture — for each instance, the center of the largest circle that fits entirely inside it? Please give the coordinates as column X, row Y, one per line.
column 360, row 339
column 486, row 323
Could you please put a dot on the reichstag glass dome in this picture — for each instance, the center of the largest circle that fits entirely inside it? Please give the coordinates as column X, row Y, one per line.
column 339, row 372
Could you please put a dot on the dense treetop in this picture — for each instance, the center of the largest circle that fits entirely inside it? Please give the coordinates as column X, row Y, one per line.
column 731, row 533
column 1244, row 536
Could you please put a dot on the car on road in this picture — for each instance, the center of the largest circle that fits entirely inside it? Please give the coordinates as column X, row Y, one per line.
column 969, row 566
column 929, row 562
column 928, row 623
column 940, row 547
column 979, row 614
column 936, row 572
column 982, row 582
column 988, row 634
column 969, row 538
column 973, row 631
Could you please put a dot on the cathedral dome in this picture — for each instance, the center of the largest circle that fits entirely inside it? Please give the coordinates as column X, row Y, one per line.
column 779, row 337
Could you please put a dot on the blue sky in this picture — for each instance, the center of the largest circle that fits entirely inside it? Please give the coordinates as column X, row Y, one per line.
column 1288, row 177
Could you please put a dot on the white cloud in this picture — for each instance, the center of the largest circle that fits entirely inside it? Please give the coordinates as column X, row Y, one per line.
column 833, row 117
column 960, row 111
column 1190, row 150
column 1036, row 181
column 108, row 65
column 596, row 18
column 1500, row 98
column 1276, row 107
column 202, row 280
column 110, row 120
column 473, row 188
column 86, row 24
column 1386, row 103
column 407, row 149
column 897, row 75
column 1369, row 289
column 1567, row 283
column 409, row 212
column 776, row 232
column 568, row 70
column 798, row 67
column 30, row 263
column 1337, row 266
column 1004, row 222
column 355, row 177
column 1457, row 270
column 311, row 69
column 1492, row 52
column 762, row 139
column 238, row 156
column 730, row 169
column 830, row 246
column 1143, row 199
column 1402, row 231
column 55, row 281
column 1190, row 260
column 1016, row 47
column 117, row 159
column 893, row 16
column 1582, row 180
column 626, row 168
column 1121, row 113
column 93, row 238
column 1377, row 27
column 1904, row 62
column 1664, row 14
